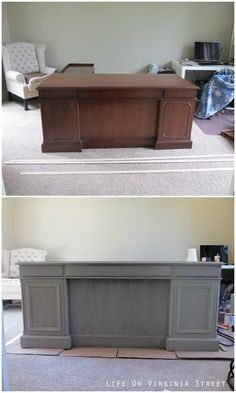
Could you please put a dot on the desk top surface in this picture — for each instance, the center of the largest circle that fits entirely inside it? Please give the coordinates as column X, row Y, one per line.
column 121, row 263
column 112, row 270
column 115, row 81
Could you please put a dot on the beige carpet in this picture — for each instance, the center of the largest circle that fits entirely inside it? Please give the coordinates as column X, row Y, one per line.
column 112, row 369
column 59, row 373
column 22, row 138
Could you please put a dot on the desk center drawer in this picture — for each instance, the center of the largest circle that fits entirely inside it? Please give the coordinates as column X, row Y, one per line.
column 120, row 93
column 57, row 93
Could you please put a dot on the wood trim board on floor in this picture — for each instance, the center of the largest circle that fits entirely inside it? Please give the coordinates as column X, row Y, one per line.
column 120, row 172
column 87, row 162
column 174, row 159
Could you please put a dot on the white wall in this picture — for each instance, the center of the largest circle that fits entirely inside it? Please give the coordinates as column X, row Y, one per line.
column 87, row 229
column 119, row 37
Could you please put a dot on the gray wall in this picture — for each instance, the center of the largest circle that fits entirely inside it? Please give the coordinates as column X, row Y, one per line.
column 118, row 37
column 117, row 229
column 6, row 39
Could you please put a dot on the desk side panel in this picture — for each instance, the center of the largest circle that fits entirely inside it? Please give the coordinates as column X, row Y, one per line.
column 60, row 120
column 45, row 312
column 193, row 318
column 175, row 123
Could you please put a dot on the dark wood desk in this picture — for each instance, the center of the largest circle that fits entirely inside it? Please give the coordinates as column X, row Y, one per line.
column 116, row 110
column 79, row 68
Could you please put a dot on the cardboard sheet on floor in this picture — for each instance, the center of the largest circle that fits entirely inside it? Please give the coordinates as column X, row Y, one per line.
column 204, row 355
column 90, row 352
column 145, row 353
column 17, row 350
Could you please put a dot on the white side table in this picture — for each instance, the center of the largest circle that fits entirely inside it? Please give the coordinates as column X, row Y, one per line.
column 181, row 69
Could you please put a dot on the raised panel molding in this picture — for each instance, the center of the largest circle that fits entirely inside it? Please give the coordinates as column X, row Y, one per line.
column 62, row 114
column 186, row 312
column 43, row 317
column 176, row 113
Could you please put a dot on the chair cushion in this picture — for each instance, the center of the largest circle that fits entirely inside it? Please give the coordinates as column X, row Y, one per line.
column 23, row 57
column 5, row 263
column 11, row 289
column 10, row 282
column 31, row 75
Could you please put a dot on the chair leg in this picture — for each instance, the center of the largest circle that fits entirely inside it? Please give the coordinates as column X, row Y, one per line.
column 26, row 105
column 9, row 96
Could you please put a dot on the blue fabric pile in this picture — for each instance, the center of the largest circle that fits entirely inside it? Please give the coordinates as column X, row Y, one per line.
column 217, row 94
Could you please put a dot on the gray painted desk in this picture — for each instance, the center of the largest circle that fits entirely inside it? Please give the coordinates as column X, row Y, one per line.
column 169, row 305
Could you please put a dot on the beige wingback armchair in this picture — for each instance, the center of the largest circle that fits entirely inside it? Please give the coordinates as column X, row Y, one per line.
column 24, row 67
column 11, row 288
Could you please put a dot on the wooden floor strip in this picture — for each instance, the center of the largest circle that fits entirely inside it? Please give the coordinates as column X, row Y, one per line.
column 120, row 161
column 120, row 172
column 90, row 352
column 17, row 350
column 145, row 353
column 204, row 355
